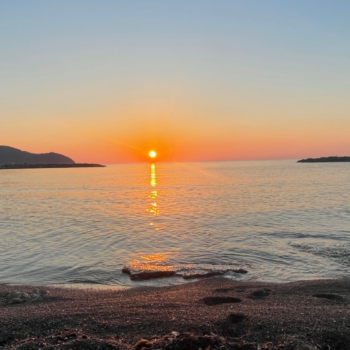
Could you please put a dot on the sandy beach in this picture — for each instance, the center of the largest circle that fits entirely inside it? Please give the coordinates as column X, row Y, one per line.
column 215, row 313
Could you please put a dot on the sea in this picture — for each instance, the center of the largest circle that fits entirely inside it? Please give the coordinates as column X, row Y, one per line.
column 279, row 220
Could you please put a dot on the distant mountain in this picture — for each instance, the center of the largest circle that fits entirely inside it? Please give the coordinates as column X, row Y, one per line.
column 10, row 155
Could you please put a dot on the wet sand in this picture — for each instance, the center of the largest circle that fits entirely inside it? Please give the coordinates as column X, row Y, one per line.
column 215, row 313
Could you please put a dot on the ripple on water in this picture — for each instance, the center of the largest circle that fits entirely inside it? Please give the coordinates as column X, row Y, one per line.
column 339, row 253
column 280, row 220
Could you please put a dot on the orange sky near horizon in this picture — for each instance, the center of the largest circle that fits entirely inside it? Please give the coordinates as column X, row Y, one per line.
column 126, row 135
column 105, row 82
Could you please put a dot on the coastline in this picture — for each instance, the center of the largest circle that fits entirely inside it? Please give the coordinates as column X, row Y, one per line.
column 325, row 160
column 227, row 314
column 49, row 166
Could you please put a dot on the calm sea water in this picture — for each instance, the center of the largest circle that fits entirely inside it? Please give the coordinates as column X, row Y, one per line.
column 280, row 220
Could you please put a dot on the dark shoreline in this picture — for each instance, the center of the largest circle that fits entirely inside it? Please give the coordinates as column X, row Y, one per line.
column 325, row 160
column 217, row 312
column 48, row 166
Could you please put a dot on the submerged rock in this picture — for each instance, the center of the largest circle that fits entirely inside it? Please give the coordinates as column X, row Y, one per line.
column 157, row 267
column 146, row 275
column 137, row 275
column 206, row 274
column 240, row 271
column 126, row 270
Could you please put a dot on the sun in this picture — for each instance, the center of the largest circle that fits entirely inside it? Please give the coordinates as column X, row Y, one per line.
column 152, row 154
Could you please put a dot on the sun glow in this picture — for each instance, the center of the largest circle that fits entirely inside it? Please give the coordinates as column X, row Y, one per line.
column 152, row 154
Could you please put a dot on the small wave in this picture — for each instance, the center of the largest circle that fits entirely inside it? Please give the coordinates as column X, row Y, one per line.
column 339, row 253
column 84, row 281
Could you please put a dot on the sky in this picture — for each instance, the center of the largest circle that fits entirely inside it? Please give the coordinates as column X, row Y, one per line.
column 106, row 81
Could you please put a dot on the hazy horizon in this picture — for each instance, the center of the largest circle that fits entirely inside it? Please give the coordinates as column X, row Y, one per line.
column 184, row 161
column 196, row 81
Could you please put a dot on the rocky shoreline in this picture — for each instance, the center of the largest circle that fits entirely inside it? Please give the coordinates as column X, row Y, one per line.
column 215, row 313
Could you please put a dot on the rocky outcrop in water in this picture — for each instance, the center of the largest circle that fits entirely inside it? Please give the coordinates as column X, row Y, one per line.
column 147, row 274
column 139, row 274
column 10, row 155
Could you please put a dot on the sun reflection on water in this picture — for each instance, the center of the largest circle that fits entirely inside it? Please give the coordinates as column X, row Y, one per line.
column 153, row 262
column 153, row 181
column 154, row 194
column 160, row 265
column 154, row 257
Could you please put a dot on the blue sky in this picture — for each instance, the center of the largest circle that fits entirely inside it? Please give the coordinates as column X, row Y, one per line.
column 219, row 65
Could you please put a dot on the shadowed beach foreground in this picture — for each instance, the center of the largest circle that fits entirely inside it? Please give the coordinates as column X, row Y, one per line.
column 211, row 314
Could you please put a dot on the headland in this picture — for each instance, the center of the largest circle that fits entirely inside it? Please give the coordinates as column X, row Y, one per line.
column 10, row 155
column 216, row 313
column 40, row 166
column 324, row 160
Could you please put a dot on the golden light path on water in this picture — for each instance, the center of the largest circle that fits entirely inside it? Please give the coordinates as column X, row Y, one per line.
column 153, row 262
column 154, row 194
